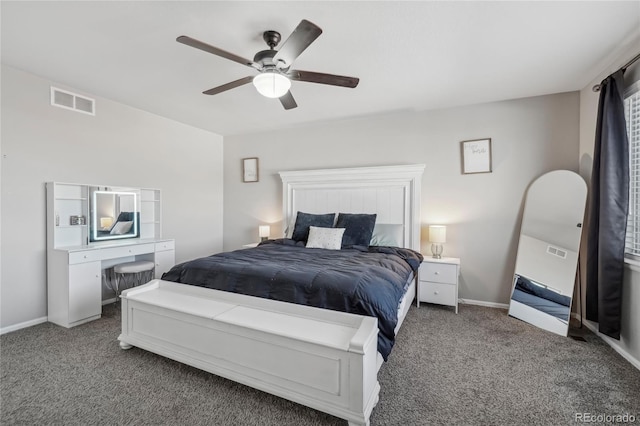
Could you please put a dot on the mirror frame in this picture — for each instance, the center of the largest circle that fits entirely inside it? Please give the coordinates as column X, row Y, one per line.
column 548, row 248
column 94, row 226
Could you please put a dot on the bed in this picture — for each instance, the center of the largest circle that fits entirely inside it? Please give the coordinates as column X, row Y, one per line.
column 123, row 226
column 365, row 281
column 392, row 195
column 539, row 305
column 539, row 297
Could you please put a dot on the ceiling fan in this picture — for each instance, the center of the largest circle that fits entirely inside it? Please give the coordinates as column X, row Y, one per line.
column 274, row 66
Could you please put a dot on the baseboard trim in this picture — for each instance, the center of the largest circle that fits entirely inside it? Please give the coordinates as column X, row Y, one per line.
column 483, row 303
column 593, row 326
column 22, row 325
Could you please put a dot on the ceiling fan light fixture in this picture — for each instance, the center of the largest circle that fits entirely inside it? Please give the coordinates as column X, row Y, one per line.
column 272, row 84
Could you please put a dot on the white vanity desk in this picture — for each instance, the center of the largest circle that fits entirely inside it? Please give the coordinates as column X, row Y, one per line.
column 75, row 274
column 78, row 254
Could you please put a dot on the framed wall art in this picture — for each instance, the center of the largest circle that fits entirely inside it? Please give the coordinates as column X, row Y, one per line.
column 476, row 156
column 250, row 169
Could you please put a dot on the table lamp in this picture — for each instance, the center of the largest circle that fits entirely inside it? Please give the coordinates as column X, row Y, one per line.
column 264, row 231
column 437, row 237
column 106, row 222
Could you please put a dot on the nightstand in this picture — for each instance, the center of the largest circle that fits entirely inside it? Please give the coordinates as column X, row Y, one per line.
column 438, row 281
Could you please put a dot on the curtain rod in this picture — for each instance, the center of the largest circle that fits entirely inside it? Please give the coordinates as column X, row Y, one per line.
column 596, row 88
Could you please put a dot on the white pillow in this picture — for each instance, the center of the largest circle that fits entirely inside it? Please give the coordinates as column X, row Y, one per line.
column 121, row 228
column 385, row 234
column 326, row 238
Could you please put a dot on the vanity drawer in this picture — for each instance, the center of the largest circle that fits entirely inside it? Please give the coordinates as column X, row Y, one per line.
column 124, row 251
column 442, row 294
column 439, row 272
column 110, row 253
column 76, row 257
column 166, row 245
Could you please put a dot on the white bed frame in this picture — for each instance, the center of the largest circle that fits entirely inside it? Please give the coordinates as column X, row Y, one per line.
column 324, row 359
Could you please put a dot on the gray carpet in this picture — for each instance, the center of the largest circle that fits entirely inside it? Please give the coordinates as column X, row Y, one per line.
column 477, row 367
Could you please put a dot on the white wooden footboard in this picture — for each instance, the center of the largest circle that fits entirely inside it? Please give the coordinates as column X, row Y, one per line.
column 316, row 357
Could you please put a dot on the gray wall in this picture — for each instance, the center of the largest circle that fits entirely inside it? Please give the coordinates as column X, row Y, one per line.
column 629, row 343
column 529, row 137
column 119, row 146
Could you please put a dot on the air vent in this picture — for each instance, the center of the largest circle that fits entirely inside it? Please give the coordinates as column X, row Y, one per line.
column 68, row 100
column 557, row 252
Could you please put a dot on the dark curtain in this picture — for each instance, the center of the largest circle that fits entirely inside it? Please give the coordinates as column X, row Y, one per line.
column 608, row 209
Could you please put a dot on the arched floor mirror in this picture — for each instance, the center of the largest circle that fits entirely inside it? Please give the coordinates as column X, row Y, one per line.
column 548, row 251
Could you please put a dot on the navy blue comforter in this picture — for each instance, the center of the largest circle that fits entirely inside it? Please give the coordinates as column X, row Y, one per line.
column 541, row 298
column 361, row 281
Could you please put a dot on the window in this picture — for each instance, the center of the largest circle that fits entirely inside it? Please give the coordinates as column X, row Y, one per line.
column 632, row 115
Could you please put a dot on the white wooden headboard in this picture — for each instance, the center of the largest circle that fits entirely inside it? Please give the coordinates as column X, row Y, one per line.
column 392, row 192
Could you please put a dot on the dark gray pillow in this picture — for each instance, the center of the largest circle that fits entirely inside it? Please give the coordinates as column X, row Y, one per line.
column 358, row 228
column 305, row 220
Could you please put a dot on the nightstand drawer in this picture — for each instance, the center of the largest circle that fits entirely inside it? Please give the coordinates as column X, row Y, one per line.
column 442, row 294
column 439, row 272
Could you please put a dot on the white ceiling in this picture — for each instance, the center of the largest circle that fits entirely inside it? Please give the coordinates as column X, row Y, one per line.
column 408, row 55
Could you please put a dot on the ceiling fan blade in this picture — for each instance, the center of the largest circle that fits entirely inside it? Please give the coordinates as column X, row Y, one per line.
column 218, row 52
column 228, row 86
column 318, row 77
column 287, row 101
column 304, row 34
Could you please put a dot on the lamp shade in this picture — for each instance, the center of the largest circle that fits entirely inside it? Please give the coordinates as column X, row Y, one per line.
column 264, row 231
column 106, row 222
column 271, row 84
column 437, row 234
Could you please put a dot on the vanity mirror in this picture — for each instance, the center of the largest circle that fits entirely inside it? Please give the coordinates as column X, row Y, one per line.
column 114, row 213
column 548, row 251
